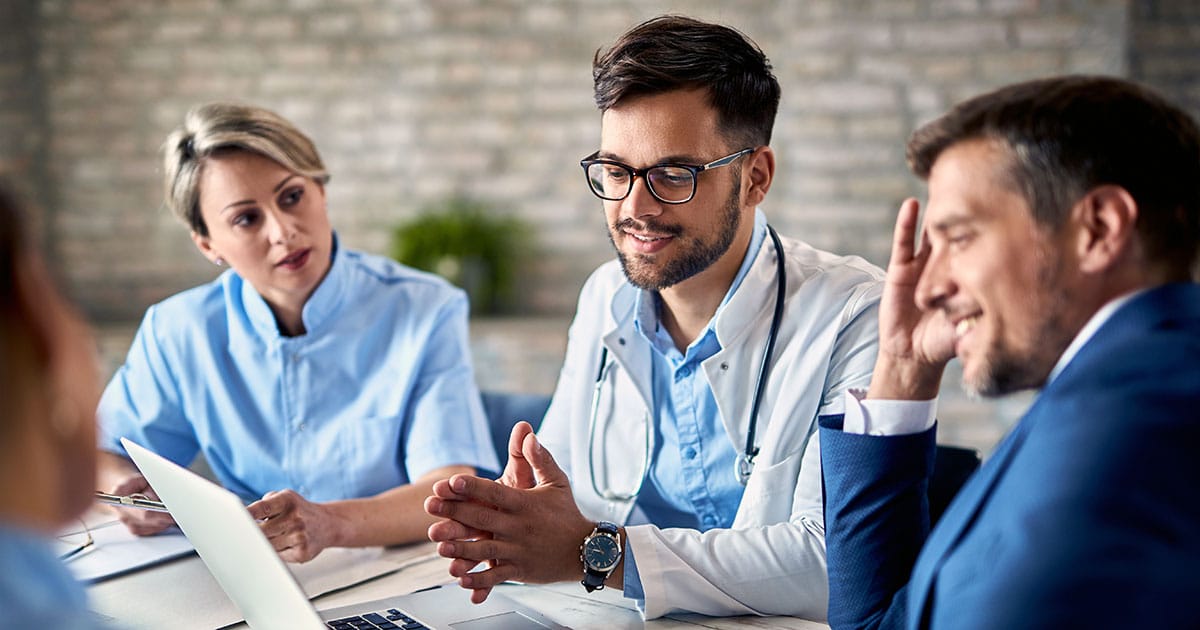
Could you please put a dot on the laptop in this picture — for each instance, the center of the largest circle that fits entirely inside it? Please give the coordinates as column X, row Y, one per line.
column 249, row 570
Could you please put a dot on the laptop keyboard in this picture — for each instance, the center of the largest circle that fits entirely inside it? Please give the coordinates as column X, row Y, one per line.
column 386, row 620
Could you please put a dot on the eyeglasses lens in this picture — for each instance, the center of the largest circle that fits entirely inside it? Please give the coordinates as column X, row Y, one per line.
column 614, row 182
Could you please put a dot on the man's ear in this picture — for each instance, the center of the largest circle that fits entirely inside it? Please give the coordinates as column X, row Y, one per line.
column 204, row 244
column 1107, row 218
column 758, row 173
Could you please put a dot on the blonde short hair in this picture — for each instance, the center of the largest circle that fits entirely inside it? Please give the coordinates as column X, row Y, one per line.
column 217, row 128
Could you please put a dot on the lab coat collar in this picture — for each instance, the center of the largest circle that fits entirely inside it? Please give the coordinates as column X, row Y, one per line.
column 742, row 328
column 748, row 312
column 626, row 345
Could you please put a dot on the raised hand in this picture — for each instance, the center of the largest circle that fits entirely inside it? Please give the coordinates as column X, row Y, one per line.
column 914, row 343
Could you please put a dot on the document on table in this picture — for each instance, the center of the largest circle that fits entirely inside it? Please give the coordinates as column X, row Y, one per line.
column 115, row 551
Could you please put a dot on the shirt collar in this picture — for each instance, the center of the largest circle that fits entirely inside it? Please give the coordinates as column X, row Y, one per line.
column 646, row 307
column 319, row 308
column 1088, row 331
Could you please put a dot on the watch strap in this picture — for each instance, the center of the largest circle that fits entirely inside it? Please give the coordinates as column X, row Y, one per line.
column 593, row 579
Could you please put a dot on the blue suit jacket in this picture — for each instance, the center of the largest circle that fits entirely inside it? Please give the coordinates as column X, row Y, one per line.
column 1087, row 514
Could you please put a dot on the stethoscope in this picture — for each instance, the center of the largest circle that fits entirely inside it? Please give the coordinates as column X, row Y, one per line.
column 743, row 465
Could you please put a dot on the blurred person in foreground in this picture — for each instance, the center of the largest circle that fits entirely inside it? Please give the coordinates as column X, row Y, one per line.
column 334, row 384
column 1062, row 224
column 679, row 456
column 49, row 384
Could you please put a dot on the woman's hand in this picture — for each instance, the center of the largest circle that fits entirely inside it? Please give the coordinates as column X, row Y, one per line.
column 298, row 528
column 140, row 522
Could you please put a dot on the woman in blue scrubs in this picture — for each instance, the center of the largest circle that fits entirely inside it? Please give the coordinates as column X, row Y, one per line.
column 328, row 387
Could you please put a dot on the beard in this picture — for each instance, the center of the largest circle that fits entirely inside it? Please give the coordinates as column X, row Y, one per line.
column 644, row 271
column 1006, row 369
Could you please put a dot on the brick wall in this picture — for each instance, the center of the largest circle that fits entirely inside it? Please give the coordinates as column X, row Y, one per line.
column 21, row 131
column 1164, row 49
column 412, row 101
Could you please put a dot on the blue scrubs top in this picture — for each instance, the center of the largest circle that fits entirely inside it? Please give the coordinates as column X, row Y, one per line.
column 378, row 392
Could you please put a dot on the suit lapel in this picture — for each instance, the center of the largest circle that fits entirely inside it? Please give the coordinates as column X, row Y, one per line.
column 959, row 517
column 1158, row 306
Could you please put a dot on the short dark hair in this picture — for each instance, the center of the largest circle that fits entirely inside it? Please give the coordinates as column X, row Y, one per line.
column 673, row 52
column 1071, row 134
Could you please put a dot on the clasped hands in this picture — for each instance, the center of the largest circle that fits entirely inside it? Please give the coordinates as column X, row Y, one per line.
column 525, row 526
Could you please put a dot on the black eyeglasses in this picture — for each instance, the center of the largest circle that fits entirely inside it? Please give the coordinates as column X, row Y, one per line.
column 669, row 183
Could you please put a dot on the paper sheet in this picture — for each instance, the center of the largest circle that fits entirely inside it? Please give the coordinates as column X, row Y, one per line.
column 117, row 552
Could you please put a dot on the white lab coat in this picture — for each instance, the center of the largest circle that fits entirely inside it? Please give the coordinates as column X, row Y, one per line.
column 772, row 561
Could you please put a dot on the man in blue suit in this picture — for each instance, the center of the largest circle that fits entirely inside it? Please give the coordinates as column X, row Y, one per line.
column 1062, row 225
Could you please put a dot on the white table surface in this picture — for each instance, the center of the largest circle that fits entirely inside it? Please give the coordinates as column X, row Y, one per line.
column 183, row 594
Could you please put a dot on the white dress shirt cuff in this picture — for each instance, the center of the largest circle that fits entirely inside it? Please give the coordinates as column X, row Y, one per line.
column 886, row 417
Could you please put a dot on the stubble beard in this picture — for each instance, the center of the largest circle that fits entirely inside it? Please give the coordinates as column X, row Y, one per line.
column 694, row 256
column 1005, row 369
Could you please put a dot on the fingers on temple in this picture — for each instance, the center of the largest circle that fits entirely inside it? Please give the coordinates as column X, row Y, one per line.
column 904, row 235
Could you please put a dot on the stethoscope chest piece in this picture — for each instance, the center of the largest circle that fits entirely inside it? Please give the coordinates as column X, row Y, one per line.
column 742, row 467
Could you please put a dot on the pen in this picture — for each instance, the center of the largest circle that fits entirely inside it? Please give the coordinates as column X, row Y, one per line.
column 134, row 501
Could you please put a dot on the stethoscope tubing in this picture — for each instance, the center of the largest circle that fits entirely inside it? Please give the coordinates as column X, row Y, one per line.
column 744, row 463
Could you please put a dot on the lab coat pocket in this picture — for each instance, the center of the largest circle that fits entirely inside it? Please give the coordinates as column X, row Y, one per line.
column 769, row 493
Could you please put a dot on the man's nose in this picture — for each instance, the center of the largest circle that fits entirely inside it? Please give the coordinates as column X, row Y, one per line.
column 936, row 284
column 640, row 202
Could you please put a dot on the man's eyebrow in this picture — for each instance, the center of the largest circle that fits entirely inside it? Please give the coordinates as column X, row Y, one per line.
column 951, row 221
column 669, row 159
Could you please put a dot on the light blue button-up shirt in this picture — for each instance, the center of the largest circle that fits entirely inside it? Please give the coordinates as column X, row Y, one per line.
column 378, row 392
column 36, row 590
column 690, row 482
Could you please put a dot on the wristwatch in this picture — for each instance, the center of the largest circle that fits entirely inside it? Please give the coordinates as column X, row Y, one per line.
column 600, row 553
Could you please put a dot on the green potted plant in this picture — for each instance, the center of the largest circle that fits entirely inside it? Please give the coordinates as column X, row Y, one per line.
column 469, row 244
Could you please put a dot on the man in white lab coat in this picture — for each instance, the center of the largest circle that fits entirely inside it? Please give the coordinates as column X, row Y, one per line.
column 678, row 460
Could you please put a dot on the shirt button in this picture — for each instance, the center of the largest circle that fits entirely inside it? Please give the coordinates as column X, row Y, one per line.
column 685, row 372
column 295, row 358
column 299, row 426
column 689, row 453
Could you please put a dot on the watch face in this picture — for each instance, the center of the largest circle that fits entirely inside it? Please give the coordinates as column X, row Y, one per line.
column 601, row 553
